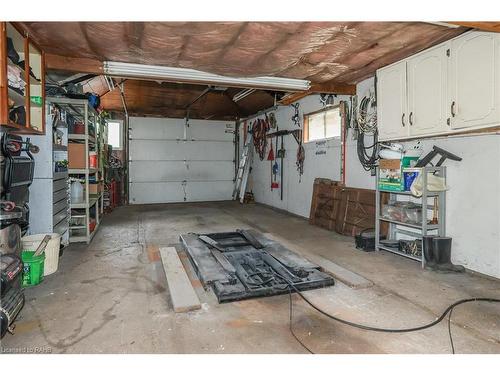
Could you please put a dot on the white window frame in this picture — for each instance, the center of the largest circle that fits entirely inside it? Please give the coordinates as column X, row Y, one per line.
column 121, row 133
column 323, row 110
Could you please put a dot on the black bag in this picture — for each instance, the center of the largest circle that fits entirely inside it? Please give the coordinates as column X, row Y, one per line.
column 18, row 115
column 11, row 51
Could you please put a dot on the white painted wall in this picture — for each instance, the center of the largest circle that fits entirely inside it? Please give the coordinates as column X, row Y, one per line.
column 297, row 192
column 473, row 201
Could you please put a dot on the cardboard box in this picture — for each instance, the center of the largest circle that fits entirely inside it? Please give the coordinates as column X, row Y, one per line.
column 76, row 156
column 391, row 176
column 95, row 189
column 390, row 163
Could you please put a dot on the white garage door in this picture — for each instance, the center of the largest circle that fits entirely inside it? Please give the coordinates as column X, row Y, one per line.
column 172, row 163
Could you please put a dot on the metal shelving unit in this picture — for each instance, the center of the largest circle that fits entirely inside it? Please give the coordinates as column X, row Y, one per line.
column 397, row 228
column 49, row 193
column 91, row 207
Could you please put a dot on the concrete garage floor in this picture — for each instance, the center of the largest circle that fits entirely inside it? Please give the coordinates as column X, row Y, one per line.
column 111, row 297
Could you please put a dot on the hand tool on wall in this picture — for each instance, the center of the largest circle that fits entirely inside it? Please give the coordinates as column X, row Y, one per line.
column 275, row 168
column 281, row 155
column 271, row 158
column 296, row 116
column 297, row 135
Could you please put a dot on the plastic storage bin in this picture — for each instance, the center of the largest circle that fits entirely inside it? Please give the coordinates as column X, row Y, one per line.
column 405, row 212
column 51, row 257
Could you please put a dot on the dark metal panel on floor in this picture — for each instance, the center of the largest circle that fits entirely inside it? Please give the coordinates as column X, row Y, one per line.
column 245, row 264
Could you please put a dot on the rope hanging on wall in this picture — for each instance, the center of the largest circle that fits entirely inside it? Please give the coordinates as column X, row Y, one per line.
column 260, row 128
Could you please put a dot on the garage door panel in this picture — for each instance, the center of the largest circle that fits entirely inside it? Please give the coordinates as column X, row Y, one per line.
column 173, row 129
column 212, row 131
column 171, row 192
column 156, row 192
column 144, row 171
column 181, row 150
column 209, row 191
column 155, row 128
column 165, row 168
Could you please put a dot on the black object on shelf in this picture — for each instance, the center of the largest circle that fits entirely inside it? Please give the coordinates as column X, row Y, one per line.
column 18, row 115
column 365, row 240
column 437, row 151
column 11, row 51
column 411, row 247
column 394, row 244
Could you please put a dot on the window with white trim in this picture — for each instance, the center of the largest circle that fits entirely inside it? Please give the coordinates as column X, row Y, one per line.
column 322, row 124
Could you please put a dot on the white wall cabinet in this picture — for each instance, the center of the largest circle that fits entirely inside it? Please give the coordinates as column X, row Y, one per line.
column 449, row 88
column 427, row 75
column 392, row 104
column 474, row 80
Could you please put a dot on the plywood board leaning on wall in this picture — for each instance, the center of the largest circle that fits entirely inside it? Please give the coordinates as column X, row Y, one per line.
column 345, row 210
column 324, row 203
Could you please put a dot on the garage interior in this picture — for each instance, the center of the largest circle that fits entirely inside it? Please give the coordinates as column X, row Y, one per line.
column 250, row 187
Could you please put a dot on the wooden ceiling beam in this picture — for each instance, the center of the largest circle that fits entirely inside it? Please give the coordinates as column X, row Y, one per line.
column 323, row 88
column 73, row 64
column 485, row 26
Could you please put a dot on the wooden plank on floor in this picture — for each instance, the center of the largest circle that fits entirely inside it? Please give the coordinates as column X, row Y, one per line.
column 182, row 293
column 340, row 273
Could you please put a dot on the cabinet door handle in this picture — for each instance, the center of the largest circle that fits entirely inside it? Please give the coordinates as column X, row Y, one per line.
column 452, row 109
column 411, row 118
column 403, row 119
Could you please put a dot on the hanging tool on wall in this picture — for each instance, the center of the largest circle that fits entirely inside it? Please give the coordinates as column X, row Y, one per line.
column 297, row 135
column 274, row 183
column 301, row 156
column 281, row 155
column 344, row 124
column 271, row 158
column 296, row 115
column 366, row 125
column 273, row 123
column 260, row 128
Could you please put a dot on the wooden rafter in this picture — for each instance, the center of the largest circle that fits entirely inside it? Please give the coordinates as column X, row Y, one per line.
column 324, row 88
column 73, row 64
column 485, row 26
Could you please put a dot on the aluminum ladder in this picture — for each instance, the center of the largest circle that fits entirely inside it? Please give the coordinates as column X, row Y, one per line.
column 244, row 169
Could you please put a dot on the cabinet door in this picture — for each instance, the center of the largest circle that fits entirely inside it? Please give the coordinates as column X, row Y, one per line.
column 427, row 91
column 474, row 80
column 392, row 116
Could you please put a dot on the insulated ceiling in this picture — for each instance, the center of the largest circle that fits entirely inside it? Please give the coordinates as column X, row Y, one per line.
column 323, row 52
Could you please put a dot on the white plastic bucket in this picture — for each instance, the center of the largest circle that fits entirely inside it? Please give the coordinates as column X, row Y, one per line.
column 31, row 243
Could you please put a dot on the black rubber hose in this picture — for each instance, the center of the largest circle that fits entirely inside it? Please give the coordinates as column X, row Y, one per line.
column 391, row 330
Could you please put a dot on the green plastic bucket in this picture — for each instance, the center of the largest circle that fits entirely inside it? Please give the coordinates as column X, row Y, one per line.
column 33, row 268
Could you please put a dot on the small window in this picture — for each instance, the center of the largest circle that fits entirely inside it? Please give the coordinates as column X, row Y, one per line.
column 322, row 125
column 115, row 137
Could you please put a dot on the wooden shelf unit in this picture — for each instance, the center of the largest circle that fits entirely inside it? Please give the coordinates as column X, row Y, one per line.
column 35, row 113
